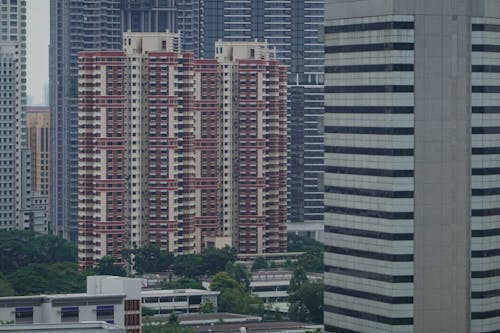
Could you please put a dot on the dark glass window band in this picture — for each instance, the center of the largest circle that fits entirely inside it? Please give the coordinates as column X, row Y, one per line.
column 370, row 130
column 485, row 171
column 369, row 89
column 369, row 275
column 398, row 321
column 485, row 191
column 336, row 329
column 368, row 151
column 485, row 27
column 486, row 109
column 485, row 294
column 485, row 274
column 486, row 48
column 486, row 151
column 401, row 25
column 369, row 47
column 370, row 296
column 370, row 68
column 370, row 213
column 486, row 314
column 369, row 233
column 369, row 254
column 370, row 109
column 486, row 130
column 486, row 89
column 485, row 253
column 369, row 172
column 368, row 192
column 485, row 69
column 486, row 232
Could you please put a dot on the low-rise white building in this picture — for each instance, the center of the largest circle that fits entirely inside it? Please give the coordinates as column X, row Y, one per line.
column 109, row 299
column 90, row 327
column 179, row 301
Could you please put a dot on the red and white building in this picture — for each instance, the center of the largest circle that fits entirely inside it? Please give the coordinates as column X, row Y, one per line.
column 180, row 152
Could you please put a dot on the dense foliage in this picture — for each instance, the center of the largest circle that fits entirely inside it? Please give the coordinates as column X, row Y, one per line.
column 21, row 248
column 148, row 259
column 305, row 297
column 210, row 262
column 312, row 259
column 182, row 284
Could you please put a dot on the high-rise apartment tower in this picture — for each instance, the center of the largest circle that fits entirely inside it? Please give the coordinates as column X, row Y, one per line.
column 181, row 153
column 78, row 25
column 412, row 176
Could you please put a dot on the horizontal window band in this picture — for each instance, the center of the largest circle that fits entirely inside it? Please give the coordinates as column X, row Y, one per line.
column 486, row 212
column 336, row 329
column 369, row 89
column 369, row 233
column 485, row 314
column 369, row 47
column 370, row 213
column 369, row 172
column 486, row 151
column 486, row 232
column 370, row 68
column 485, row 27
column 485, row 191
column 485, row 171
column 369, row 275
column 485, row 294
column 486, row 109
column 485, row 253
column 369, row 254
column 368, row 151
column 486, row 89
column 370, row 109
column 485, row 69
column 486, row 130
column 368, row 192
column 486, row 48
column 485, row 274
column 395, row 321
column 370, row 130
column 370, row 296
column 389, row 25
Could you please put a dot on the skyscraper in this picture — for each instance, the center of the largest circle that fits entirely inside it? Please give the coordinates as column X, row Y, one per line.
column 295, row 29
column 412, row 168
column 181, row 153
column 77, row 26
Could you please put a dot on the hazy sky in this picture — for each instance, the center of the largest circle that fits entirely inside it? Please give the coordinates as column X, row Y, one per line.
column 38, row 37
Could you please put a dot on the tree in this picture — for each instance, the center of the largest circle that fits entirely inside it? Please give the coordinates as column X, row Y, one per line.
column 239, row 273
column 215, row 260
column 259, row 263
column 312, row 259
column 20, row 248
column 207, row 307
column 48, row 279
column 298, row 278
column 147, row 312
column 312, row 262
column 149, row 259
column 297, row 310
column 233, row 296
column 188, row 265
column 311, row 296
column 106, row 266
column 173, row 319
column 5, row 287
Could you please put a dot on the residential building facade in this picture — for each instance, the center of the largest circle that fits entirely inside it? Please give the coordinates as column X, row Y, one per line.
column 77, row 26
column 411, row 145
column 178, row 152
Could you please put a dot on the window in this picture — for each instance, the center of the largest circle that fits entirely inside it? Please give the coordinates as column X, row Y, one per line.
column 70, row 314
column 105, row 313
column 24, row 315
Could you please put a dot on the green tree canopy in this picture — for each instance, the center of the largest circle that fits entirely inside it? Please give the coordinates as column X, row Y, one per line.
column 259, row 263
column 48, row 279
column 311, row 296
column 182, row 284
column 188, row 265
column 149, row 259
column 20, row 248
column 239, row 273
column 5, row 287
column 312, row 259
column 215, row 260
column 106, row 266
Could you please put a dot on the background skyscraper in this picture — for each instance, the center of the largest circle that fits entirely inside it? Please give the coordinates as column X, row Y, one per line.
column 77, row 26
column 412, row 168
column 295, row 29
